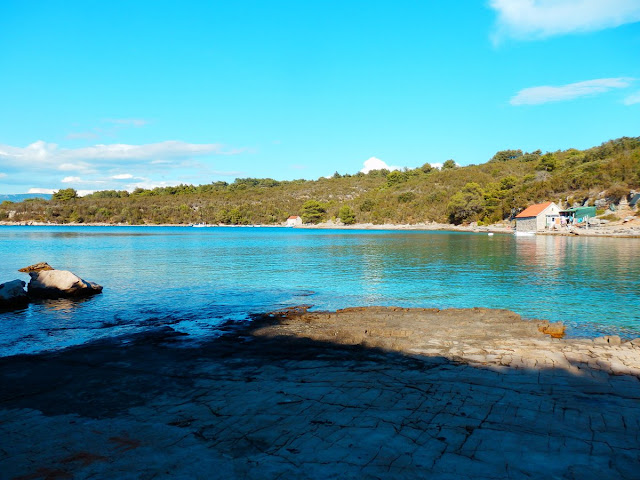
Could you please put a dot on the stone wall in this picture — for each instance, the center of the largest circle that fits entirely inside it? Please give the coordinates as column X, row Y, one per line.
column 528, row 224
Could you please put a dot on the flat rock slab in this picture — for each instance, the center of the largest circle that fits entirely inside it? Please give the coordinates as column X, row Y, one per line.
column 298, row 396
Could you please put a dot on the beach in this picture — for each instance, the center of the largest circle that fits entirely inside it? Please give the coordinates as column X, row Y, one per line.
column 628, row 229
column 359, row 393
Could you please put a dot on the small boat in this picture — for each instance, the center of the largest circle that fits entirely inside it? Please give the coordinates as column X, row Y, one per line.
column 490, row 234
column 524, row 234
column 199, row 225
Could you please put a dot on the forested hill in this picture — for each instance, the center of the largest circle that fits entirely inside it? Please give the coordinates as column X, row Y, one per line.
column 489, row 192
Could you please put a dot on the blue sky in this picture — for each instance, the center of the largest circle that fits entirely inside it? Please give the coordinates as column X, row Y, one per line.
column 101, row 95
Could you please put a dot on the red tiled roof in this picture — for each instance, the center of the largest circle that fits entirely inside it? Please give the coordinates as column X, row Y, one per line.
column 293, row 217
column 533, row 210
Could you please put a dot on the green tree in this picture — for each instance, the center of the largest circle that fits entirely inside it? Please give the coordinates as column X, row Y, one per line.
column 65, row 194
column 504, row 155
column 313, row 211
column 346, row 215
column 426, row 168
column 395, row 177
column 548, row 162
column 467, row 204
column 507, row 183
column 449, row 164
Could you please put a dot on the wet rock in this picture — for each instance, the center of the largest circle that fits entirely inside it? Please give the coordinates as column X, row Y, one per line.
column 13, row 295
column 36, row 267
column 60, row 284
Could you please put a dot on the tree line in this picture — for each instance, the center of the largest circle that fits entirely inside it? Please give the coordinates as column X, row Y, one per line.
column 486, row 193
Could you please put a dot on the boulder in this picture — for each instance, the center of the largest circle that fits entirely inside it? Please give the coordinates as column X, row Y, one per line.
column 60, row 284
column 13, row 295
column 36, row 267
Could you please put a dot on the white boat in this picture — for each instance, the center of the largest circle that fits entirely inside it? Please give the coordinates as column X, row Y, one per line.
column 199, row 225
column 524, row 234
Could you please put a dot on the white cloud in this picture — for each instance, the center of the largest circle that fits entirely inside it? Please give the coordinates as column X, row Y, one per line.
column 632, row 99
column 374, row 163
column 546, row 94
column 149, row 184
column 74, row 167
column 2, row 175
column 113, row 166
column 42, row 190
column 71, row 180
column 81, row 193
column 535, row 19
column 43, row 153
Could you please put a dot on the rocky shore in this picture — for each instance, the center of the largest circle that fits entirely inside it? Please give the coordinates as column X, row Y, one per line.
column 618, row 229
column 358, row 393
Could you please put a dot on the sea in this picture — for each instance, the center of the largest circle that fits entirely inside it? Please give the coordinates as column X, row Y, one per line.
column 195, row 279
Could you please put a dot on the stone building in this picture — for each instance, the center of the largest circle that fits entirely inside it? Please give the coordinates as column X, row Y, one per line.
column 538, row 217
column 294, row 221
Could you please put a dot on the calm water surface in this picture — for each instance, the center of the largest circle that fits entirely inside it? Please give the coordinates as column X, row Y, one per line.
column 195, row 278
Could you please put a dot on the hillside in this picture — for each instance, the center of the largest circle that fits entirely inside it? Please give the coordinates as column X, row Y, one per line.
column 488, row 193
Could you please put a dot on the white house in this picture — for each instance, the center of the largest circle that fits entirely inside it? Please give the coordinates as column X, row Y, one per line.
column 538, row 217
column 294, row 221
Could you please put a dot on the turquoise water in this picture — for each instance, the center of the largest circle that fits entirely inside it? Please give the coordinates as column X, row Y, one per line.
column 192, row 279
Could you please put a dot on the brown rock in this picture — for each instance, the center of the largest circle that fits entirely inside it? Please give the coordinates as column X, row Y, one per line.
column 38, row 267
column 556, row 329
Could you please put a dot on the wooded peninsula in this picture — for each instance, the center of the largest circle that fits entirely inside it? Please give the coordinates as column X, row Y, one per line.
column 486, row 193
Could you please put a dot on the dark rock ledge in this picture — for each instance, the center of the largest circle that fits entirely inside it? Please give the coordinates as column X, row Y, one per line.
column 359, row 393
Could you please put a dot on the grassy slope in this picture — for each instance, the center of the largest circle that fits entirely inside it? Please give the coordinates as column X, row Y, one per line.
column 379, row 197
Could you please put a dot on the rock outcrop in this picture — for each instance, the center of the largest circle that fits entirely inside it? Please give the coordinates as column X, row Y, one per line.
column 60, row 284
column 13, row 295
column 37, row 267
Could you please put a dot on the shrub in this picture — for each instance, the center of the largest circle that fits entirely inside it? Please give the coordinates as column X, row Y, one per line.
column 406, row 197
column 617, row 193
column 346, row 215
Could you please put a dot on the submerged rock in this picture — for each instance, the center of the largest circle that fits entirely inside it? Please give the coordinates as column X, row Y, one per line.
column 36, row 267
column 59, row 284
column 13, row 295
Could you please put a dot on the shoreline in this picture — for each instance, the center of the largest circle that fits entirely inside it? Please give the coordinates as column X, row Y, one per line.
column 357, row 393
column 615, row 231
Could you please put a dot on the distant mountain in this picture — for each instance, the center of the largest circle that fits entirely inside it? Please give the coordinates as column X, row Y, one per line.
column 19, row 197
